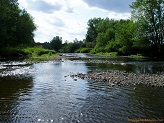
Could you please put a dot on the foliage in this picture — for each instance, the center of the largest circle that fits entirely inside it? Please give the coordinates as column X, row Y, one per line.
column 38, row 51
column 56, row 43
column 16, row 25
column 83, row 50
column 39, row 54
column 45, row 45
column 71, row 47
column 149, row 14
column 17, row 52
column 67, row 47
column 11, row 52
column 137, row 56
column 92, row 31
column 108, row 54
column 144, row 34
column 106, row 34
column 114, row 36
column 124, row 36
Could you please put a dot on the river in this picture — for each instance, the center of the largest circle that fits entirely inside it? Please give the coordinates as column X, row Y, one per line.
column 45, row 92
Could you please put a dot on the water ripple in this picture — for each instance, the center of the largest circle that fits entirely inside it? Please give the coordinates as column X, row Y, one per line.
column 43, row 92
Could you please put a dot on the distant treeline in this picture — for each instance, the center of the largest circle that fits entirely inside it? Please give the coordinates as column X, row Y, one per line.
column 142, row 34
column 66, row 47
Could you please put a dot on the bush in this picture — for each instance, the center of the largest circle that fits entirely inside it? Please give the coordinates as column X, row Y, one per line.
column 83, row 50
column 11, row 52
column 93, row 51
column 38, row 51
column 108, row 54
column 23, row 52
column 137, row 56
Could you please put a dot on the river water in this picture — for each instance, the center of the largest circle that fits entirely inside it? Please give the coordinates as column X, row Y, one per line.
column 44, row 92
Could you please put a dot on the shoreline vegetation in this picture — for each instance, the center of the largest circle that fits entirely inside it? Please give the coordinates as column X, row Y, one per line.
column 112, row 77
column 38, row 53
column 104, row 36
column 28, row 53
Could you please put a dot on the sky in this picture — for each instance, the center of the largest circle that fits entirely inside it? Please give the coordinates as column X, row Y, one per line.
column 68, row 18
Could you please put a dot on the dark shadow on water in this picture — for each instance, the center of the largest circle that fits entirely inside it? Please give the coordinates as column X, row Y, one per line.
column 12, row 92
column 147, row 102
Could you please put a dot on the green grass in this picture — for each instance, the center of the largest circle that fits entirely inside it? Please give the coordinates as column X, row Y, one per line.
column 83, row 50
column 38, row 51
column 136, row 56
column 40, row 58
column 29, row 53
column 108, row 54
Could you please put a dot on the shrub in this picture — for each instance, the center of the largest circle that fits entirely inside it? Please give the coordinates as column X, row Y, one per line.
column 38, row 51
column 137, row 56
column 83, row 50
column 108, row 54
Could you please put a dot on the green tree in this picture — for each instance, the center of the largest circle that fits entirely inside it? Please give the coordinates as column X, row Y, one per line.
column 106, row 35
column 103, row 40
column 16, row 25
column 71, row 47
column 150, row 17
column 8, row 15
column 125, row 32
column 24, row 28
column 56, row 43
column 92, row 32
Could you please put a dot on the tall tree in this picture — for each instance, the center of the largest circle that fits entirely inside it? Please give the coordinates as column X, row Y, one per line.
column 16, row 25
column 125, row 36
column 92, row 32
column 150, row 17
column 8, row 15
column 25, row 27
column 106, row 35
column 56, row 43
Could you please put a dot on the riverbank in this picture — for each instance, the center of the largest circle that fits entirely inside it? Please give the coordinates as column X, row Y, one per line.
column 122, row 78
column 29, row 53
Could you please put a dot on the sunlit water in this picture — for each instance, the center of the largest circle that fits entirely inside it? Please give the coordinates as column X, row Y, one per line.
column 44, row 92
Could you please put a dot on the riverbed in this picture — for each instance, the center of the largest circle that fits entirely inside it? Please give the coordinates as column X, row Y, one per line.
column 45, row 91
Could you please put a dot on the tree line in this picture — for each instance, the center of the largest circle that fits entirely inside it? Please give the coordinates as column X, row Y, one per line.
column 57, row 44
column 16, row 25
column 142, row 34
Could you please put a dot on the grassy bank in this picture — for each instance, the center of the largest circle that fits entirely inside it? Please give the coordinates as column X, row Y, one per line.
column 108, row 54
column 83, row 50
column 34, row 53
column 137, row 56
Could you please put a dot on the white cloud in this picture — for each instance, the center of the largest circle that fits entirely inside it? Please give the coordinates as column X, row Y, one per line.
column 118, row 16
column 45, row 6
column 23, row 3
column 67, row 18
column 111, row 5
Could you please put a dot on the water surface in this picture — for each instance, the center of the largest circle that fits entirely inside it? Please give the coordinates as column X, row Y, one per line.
column 44, row 92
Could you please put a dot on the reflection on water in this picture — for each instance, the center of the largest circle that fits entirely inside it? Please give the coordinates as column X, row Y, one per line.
column 43, row 92
column 133, row 66
column 13, row 92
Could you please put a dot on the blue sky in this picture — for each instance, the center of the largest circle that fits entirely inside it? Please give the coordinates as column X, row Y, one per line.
column 68, row 18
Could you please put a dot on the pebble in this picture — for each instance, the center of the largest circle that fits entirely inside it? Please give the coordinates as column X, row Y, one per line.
column 123, row 78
